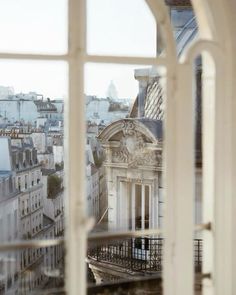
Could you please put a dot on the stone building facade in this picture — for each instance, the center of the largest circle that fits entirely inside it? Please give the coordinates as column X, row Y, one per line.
column 9, row 229
column 133, row 165
column 23, row 216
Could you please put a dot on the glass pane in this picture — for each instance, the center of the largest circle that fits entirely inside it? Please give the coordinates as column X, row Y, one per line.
column 124, row 115
column 120, row 28
column 131, row 170
column 32, row 271
column 138, row 206
column 32, row 193
column 110, row 91
column 184, row 26
column 33, row 26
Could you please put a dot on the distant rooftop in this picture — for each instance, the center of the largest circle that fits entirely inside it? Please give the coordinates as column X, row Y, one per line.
column 47, row 221
column 47, row 172
column 178, row 2
column 45, row 106
column 4, row 174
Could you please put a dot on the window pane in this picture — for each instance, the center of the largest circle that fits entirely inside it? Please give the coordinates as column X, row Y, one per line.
column 120, row 28
column 32, row 193
column 124, row 135
column 131, row 146
column 184, row 27
column 32, row 271
column 38, row 26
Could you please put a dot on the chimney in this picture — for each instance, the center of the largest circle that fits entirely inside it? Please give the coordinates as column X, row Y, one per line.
column 144, row 77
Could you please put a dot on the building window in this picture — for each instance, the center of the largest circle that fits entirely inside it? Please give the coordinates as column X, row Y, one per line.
column 134, row 208
column 26, row 181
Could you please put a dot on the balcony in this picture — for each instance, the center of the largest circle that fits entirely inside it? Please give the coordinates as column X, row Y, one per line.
column 138, row 254
column 151, row 285
column 16, row 275
column 59, row 233
column 57, row 213
column 26, row 236
column 2, row 288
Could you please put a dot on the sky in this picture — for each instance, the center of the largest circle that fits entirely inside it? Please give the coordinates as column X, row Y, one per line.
column 114, row 27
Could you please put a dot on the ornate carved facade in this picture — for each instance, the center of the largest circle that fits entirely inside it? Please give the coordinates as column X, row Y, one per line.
column 133, row 167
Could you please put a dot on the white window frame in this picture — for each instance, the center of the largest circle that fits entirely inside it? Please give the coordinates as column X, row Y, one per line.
column 179, row 157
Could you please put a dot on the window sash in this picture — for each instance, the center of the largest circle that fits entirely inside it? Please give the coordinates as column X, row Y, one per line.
column 175, row 152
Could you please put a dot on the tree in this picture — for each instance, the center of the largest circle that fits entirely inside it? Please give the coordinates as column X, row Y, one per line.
column 54, row 186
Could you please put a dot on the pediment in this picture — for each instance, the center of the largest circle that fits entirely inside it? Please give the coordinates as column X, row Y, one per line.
column 129, row 142
column 120, row 135
column 132, row 127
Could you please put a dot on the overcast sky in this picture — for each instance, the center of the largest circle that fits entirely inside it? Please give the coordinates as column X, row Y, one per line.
column 124, row 27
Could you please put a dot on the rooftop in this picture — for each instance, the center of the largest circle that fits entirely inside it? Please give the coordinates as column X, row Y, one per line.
column 47, row 172
column 47, row 221
column 155, row 126
column 178, row 2
column 5, row 174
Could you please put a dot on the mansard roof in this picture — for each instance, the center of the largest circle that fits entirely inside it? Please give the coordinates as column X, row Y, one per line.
column 43, row 106
column 154, row 126
column 153, row 102
column 178, row 2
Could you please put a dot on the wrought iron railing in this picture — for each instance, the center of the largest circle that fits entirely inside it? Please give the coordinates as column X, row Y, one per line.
column 144, row 285
column 138, row 254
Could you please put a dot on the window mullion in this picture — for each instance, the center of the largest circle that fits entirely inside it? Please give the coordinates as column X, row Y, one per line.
column 75, row 143
column 179, row 186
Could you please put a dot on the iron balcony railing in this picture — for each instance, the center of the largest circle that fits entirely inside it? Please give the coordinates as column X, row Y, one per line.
column 138, row 254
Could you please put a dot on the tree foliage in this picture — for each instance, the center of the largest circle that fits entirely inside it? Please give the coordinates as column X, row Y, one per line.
column 54, row 186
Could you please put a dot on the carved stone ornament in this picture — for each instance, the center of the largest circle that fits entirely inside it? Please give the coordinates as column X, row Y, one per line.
column 133, row 150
